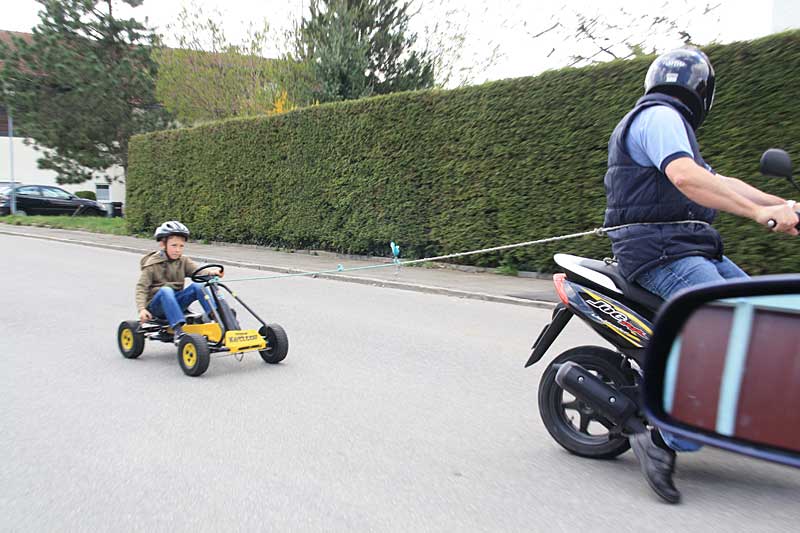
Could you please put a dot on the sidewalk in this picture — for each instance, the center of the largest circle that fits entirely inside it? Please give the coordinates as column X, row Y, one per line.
column 434, row 279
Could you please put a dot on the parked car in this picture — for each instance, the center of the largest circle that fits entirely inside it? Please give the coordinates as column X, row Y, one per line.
column 47, row 200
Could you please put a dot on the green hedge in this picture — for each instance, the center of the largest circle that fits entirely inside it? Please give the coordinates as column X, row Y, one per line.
column 446, row 171
column 89, row 195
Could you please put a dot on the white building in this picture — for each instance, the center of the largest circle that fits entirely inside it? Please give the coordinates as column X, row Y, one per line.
column 26, row 169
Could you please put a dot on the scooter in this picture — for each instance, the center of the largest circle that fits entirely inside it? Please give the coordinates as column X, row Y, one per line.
column 589, row 396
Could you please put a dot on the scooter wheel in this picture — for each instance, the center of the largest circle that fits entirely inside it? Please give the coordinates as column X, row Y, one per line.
column 277, row 343
column 193, row 354
column 589, row 435
column 129, row 340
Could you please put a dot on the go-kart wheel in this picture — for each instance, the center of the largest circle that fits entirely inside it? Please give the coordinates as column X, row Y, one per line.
column 193, row 354
column 129, row 340
column 277, row 343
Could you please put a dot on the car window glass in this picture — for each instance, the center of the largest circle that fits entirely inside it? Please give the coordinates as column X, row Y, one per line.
column 51, row 192
column 29, row 190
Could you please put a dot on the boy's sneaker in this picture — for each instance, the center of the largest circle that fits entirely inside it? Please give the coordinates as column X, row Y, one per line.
column 179, row 333
column 164, row 336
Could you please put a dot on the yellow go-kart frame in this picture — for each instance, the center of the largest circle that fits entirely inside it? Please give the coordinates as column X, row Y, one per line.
column 222, row 334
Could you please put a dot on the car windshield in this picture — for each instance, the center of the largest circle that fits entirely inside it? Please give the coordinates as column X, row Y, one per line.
column 52, row 192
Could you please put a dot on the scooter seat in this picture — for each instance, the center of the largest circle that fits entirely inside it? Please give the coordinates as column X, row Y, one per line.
column 631, row 291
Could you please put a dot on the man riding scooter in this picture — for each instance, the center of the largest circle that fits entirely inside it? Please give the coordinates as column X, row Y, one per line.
column 657, row 174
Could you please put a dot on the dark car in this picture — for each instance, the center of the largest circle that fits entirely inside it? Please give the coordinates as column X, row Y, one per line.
column 47, row 200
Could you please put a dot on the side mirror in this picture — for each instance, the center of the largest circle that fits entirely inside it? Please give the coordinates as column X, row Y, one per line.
column 723, row 367
column 776, row 162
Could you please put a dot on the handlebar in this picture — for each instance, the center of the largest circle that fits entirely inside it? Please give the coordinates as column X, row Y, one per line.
column 771, row 222
column 202, row 278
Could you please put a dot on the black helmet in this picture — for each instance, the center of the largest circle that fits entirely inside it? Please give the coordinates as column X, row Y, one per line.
column 173, row 227
column 687, row 75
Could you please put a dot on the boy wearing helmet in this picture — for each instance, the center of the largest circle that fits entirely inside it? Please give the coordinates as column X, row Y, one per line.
column 657, row 174
column 160, row 291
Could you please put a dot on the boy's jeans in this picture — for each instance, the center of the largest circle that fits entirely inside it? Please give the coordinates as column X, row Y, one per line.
column 666, row 280
column 172, row 305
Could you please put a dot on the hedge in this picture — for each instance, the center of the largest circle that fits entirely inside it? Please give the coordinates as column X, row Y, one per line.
column 88, row 195
column 445, row 171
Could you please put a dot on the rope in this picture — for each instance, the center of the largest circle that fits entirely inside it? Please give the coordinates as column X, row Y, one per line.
column 600, row 232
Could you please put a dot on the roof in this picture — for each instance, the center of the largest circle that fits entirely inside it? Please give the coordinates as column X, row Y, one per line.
column 6, row 38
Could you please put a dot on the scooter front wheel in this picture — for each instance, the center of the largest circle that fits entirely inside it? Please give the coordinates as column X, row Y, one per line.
column 573, row 424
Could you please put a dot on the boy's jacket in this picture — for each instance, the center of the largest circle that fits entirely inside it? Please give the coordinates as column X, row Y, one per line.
column 157, row 272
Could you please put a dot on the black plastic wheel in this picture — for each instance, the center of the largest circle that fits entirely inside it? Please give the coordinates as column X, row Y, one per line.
column 277, row 343
column 193, row 354
column 590, row 436
column 129, row 340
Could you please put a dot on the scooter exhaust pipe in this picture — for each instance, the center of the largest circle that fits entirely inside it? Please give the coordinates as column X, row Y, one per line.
column 612, row 404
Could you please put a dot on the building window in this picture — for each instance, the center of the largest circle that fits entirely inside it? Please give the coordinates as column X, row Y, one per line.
column 102, row 192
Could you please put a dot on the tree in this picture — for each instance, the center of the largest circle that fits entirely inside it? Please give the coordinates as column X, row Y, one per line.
column 206, row 77
column 357, row 48
column 82, row 86
column 623, row 34
column 454, row 42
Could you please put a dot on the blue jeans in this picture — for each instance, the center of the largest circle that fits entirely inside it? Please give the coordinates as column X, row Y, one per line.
column 172, row 305
column 668, row 279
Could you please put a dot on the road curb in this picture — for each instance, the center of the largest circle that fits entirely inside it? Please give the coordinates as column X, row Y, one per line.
column 416, row 287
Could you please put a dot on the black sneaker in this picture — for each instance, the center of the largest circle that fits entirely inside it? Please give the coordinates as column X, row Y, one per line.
column 179, row 333
column 658, row 465
column 163, row 336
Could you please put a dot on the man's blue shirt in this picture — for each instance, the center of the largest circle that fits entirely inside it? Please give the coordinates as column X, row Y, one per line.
column 657, row 137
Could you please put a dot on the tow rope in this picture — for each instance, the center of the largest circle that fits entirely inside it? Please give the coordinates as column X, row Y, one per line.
column 397, row 262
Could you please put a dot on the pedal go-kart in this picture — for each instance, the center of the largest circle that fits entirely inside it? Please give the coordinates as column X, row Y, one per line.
column 219, row 333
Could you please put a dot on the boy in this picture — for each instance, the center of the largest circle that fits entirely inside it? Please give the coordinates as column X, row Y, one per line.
column 160, row 290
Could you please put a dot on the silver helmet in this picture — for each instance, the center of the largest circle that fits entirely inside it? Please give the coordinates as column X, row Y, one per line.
column 173, row 227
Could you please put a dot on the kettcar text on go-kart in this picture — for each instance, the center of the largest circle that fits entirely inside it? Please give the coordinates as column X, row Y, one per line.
column 220, row 333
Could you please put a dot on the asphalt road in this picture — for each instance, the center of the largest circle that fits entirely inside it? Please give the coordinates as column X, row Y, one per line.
column 393, row 411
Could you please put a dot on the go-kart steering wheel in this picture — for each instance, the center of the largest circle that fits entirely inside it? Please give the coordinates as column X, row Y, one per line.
column 202, row 278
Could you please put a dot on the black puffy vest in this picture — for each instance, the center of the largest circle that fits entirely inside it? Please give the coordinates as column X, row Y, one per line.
column 644, row 194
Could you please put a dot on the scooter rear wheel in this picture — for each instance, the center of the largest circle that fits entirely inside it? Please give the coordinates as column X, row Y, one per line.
column 590, row 436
